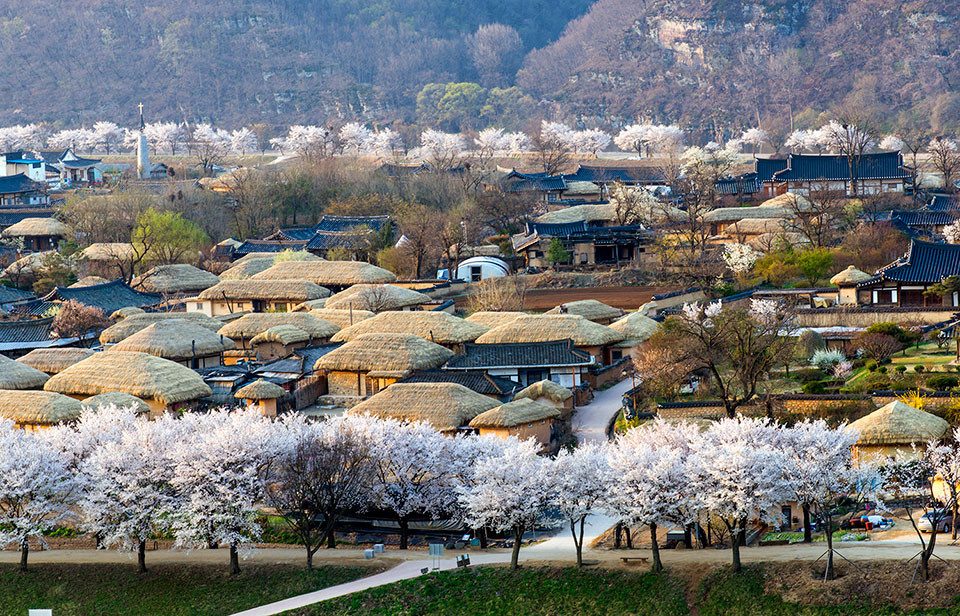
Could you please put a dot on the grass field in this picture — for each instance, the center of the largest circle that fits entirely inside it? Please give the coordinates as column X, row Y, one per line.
column 166, row 590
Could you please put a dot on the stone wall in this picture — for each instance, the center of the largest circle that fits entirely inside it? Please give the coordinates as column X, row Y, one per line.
column 864, row 317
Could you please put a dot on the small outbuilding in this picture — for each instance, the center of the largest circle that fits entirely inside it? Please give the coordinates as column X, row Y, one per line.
column 244, row 269
column 117, row 399
column 263, row 395
column 492, row 318
column 524, row 419
column 243, row 330
column 895, row 429
column 846, row 281
column 136, row 320
column 548, row 392
column 54, row 360
column 636, row 328
column 448, row 407
column 343, row 318
column 231, row 296
column 590, row 309
column 179, row 340
column 334, row 275
column 476, row 269
column 16, row 375
column 34, row 410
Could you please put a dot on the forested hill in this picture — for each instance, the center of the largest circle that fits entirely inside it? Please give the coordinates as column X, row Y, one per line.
column 699, row 62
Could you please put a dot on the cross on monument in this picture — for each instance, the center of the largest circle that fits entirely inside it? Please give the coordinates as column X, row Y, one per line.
column 142, row 125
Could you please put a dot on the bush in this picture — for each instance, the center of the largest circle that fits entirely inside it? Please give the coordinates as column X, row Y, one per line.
column 951, row 412
column 871, row 365
column 805, row 375
column 809, row 343
column 941, row 382
column 901, row 369
column 814, row 387
column 903, row 336
column 827, row 359
column 877, row 346
column 882, row 369
column 918, row 368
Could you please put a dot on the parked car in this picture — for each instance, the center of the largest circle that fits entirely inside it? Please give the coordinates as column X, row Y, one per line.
column 944, row 521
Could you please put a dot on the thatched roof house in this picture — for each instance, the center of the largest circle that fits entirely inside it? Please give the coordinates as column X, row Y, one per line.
column 122, row 313
column 896, row 427
column 117, row 399
column 343, row 318
column 177, row 279
column 88, row 281
column 331, row 274
column 522, row 418
column 546, row 390
column 54, row 360
column 440, row 327
column 25, row 266
column 586, row 335
column 849, row 277
column 250, row 325
column 310, row 304
column 376, row 298
column 135, row 322
column 370, row 362
column 37, row 227
column 37, row 409
column 161, row 383
column 301, row 256
column 230, row 296
column 243, row 270
column 178, row 340
column 281, row 334
column 260, row 390
column 108, row 251
column 491, row 318
column 590, row 309
column 15, row 375
column 635, row 327
column 445, row 406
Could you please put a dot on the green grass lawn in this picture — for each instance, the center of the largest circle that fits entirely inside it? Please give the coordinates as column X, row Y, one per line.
column 166, row 590
column 497, row 591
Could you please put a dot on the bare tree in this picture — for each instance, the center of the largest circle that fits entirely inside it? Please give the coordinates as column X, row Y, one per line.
column 817, row 217
column 506, row 293
column 945, row 158
column 494, row 49
column 851, row 134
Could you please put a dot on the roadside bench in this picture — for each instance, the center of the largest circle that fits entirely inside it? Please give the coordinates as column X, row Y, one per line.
column 629, row 559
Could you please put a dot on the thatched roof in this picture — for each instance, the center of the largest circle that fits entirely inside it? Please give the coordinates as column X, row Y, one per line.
column 138, row 374
column 88, row 281
column 246, row 269
column 898, row 424
column 127, row 311
column 135, row 322
column 108, row 251
column 635, row 327
column 445, row 406
column 250, row 325
column 514, row 414
column 282, row 334
column 343, row 318
column 849, row 277
column 250, row 256
column 117, row 399
column 376, row 298
column 15, row 375
column 439, row 327
column 310, row 304
column 588, row 212
column 547, row 327
column 292, row 290
column 37, row 408
column 788, row 200
column 37, row 227
column 590, row 309
column 260, row 390
column 398, row 353
column 176, row 279
column 491, row 318
column 755, row 226
column 27, row 265
column 554, row 392
column 176, row 339
column 327, row 273
column 54, row 360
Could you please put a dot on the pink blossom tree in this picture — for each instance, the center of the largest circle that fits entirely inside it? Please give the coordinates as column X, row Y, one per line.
column 580, row 487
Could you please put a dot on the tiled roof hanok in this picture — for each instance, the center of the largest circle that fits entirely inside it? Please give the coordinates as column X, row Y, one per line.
column 610, row 174
column 519, row 354
column 109, row 296
column 476, row 380
column 266, row 246
column 925, row 262
column 942, row 203
column 806, row 167
column 920, row 218
column 766, row 167
column 16, row 184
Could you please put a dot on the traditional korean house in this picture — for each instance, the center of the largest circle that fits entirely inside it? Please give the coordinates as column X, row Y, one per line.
column 133, row 323
column 295, row 373
column 846, row 282
column 549, row 392
column 371, row 362
column 117, row 399
column 56, row 360
column 604, row 176
column 66, row 167
column 765, row 169
column 163, row 384
column 18, row 337
column 243, row 330
column 175, row 280
column 244, row 269
column 903, row 282
column 260, row 248
column 784, row 209
column 943, row 203
column 586, row 245
column 179, row 340
column 636, row 328
column 352, row 233
column 896, row 429
column 254, row 295
column 36, row 410
column 439, row 327
column 15, row 375
column 494, row 318
column 587, row 336
column 494, row 387
column 523, row 418
column 447, row 407
column 279, row 341
column 377, row 298
column 589, row 309
column 333, row 275
column 38, row 234
column 341, row 316
column 548, row 188
column 20, row 190
column 526, row 363
column 29, row 164
column 262, row 395
column 925, row 222
column 108, row 297
column 881, row 172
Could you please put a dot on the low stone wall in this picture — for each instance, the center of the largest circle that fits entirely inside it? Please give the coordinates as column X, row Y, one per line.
column 864, row 317
column 614, row 373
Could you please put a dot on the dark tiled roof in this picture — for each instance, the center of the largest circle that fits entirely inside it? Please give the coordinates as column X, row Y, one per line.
column 266, row 246
column 478, row 381
column 401, row 170
column 326, row 240
column 741, row 185
column 924, row 262
column 544, row 184
column 626, row 232
column 109, row 296
column 766, row 167
column 920, row 218
column 547, row 229
column 882, row 165
column 80, row 163
column 301, row 361
column 22, row 157
column 9, row 217
column 610, row 174
column 10, row 294
column 25, row 331
column 299, row 234
column 345, row 223
column 940, row 203
column 526, row 354
column 53, row 157
column 19, row 183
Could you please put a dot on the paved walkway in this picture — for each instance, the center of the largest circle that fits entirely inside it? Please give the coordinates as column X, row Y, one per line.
column 590, row 421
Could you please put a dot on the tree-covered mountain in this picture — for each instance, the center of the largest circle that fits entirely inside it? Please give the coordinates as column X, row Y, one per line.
column 703, row 63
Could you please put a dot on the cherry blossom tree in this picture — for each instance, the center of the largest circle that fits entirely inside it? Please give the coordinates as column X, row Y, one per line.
column 467, row 451
column 635, row 138
column 441, row 150
column 891, row 143
column 741, row 473
column 666, row 138
column 311, row 143
column 754, row 137
column 34, row 486
column 72, row 138
column 739, row 259
column 512, row 492
column 243, row 140
column 851, row 135
column 218, row 472
column 355, row 138
column 128, row 485
column 590, row 141
column 580, row 488
column 169, row 135
column 553, row 144
column 944, row 155
column 106, row 135
column 210, row 145
column 491, row 141
column 951, row 232
column 386, row 142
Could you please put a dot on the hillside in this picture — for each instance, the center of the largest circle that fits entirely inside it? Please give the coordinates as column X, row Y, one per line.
column 704, row 63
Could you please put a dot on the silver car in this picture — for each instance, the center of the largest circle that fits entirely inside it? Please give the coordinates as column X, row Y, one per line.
column 944, row 521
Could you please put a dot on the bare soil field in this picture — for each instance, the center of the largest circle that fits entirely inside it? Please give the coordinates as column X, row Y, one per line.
column 625, row 298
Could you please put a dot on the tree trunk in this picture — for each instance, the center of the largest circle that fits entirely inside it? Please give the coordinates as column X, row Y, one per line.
column 688, row 536
column 925, row 556
column 735, row 546
column 482, row 536
column 404, row 529
column 142, row 556
column 234, row 560
column 578, row 538
column 515, row 554
column 629, row 537
column 657, row 564
column 618, row 530
column 829, row 574
column 331, row 540
column 24, row 551
column 953, row 522
column 309, row 559
column 807, row 533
